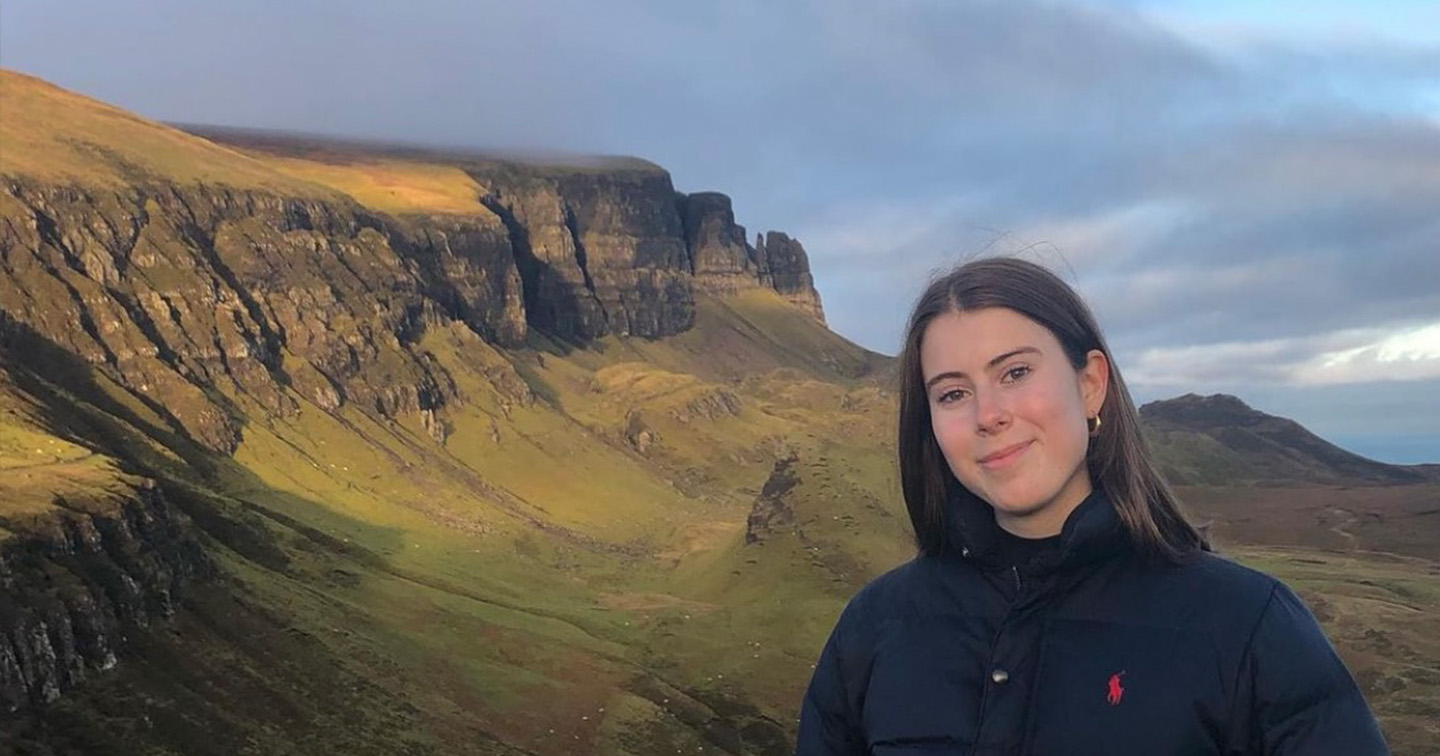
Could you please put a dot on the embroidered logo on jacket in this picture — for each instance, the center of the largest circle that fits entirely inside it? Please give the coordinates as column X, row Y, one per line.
column 1116, row 691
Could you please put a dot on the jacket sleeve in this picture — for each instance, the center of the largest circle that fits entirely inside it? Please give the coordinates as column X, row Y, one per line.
column 828, row 725
column 1303, row 700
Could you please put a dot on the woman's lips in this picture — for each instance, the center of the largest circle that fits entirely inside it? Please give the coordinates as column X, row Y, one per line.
column 1005, row 457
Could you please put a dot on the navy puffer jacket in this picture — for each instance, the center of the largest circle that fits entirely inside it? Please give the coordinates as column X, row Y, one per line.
column 1094, row 651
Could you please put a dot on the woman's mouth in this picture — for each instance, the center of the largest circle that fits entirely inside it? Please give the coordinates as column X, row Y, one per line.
column 1004, row 457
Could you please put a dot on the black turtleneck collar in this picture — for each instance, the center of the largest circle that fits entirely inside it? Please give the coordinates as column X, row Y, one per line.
column 1020, row 552
column 1092, row 532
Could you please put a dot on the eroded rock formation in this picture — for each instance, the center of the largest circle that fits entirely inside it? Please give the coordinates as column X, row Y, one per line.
column 724, row 263
column 787, row 270
column 192, row 295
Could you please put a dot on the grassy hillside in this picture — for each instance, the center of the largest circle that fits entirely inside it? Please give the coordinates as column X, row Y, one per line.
column 391, row 186
column 523, row 584
column 107, row 146
column 402, row 179
column 538, row 584
column 1219, row 439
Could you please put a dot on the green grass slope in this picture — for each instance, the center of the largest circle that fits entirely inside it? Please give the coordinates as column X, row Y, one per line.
column 509, row 583
column 101, row 145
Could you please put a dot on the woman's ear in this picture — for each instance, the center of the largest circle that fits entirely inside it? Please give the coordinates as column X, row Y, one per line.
column 1094, row 381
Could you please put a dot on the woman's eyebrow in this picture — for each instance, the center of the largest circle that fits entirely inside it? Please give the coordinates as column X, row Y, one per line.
column 992, row 363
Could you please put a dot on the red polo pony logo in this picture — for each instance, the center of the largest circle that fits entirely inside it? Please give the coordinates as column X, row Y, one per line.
column 1116, row 692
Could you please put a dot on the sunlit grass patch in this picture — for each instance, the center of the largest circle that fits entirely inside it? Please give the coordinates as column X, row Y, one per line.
column 391, row 186
column 67, row 138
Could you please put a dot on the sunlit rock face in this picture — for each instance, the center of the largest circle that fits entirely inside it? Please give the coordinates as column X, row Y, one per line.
column 786, row 269
column 187, row 294
column 722, row 260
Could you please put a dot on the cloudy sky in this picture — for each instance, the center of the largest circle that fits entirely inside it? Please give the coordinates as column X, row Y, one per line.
column 1247, row 192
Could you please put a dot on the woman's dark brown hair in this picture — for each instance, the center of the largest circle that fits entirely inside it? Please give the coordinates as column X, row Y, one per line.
column 1117, row 458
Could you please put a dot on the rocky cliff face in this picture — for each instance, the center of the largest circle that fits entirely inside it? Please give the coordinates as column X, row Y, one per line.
column 74, row 579
column 467, row 269
column 194, row 295
column 721, row 259
column 786, row 269
column 724, row 263
column 621, row 252
column 600, row 252
column 189, row 294
column 630, row 234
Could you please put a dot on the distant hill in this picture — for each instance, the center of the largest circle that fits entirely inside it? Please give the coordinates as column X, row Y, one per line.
column 1220, row 440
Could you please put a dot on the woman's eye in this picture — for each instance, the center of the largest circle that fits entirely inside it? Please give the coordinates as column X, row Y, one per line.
column 953, row 395
column 1016, row 373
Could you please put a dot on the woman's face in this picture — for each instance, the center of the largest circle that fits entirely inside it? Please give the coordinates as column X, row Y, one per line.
column 1009, row 413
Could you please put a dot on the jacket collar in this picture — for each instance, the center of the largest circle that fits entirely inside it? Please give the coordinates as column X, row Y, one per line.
column 1091, row 533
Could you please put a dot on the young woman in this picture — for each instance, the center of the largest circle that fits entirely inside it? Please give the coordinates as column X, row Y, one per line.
column 1060, row 604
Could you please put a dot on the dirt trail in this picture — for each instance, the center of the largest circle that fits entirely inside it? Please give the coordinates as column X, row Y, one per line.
column 1340, row 528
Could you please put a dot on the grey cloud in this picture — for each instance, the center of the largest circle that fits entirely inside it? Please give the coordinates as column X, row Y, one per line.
column 1275, row 233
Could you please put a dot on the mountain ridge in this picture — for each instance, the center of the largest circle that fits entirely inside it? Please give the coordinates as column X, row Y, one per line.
column 1219, row 439
column 577, row 254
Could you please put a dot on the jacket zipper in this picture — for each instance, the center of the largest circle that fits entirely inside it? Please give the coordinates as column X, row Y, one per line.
column 1015, row 570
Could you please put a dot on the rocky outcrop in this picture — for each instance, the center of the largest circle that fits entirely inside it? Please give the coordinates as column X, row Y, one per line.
column 74, row 580
column 628, row 231
column 771, row 510
column 559, row 294
column 721, row 259
column 710, row 404
column 724, row 263
column 786, row 268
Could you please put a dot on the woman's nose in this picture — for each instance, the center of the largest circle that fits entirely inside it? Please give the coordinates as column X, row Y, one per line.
column 991, row 414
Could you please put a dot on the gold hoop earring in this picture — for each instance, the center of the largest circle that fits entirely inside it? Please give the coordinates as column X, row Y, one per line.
column 1094, row 429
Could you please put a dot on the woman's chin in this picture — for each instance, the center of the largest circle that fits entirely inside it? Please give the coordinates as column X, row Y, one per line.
column 1017, row 509
column 1016, row 501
